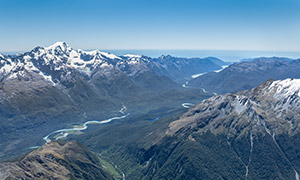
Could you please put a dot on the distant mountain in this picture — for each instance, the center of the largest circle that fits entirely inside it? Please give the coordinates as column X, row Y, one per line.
column 56, row 161
column 48, row 88
column 181, row 69
column 247, row 75
column 252, row 134
column 59, row 63
column 98, row 74
column 275, row 58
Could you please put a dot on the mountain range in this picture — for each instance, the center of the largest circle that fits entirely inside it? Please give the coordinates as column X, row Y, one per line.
column 251, row 134
column 75, row 114
column 52, row 87
column 247, row 74
column 53, row 62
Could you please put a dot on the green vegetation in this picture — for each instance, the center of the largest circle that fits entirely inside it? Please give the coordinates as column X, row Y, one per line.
column 136, row 147
column 110, row 168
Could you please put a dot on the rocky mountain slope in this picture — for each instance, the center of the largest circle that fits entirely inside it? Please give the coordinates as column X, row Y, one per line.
column 247, row 135
column 56, row 161
column 247, row 75
column 252, row 134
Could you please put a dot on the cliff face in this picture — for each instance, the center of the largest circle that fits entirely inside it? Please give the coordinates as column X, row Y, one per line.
column 56, row 161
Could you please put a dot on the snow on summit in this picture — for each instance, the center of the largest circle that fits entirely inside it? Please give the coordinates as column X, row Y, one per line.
column 132, row 56
column 61, row 57
column 286, row 87
column 62, row 45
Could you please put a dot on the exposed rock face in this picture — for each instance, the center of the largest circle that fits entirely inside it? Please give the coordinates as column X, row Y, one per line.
column 56, row 161
column 273, row 108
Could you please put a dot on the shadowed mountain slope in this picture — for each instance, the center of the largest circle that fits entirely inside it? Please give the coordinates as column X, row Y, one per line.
column 56, row 161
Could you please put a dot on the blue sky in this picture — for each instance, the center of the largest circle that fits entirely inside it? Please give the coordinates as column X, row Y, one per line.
column 264, row 25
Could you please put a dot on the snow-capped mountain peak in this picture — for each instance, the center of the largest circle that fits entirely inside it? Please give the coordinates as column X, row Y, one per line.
column 109, row 55
column 132, row 56
column 57, row 60
column 62, row 45
column 92, row 52
column 272, row 108
column 286, row 87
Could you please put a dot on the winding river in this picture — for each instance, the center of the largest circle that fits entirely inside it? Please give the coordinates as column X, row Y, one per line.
column 62, row 133
column 187, row 105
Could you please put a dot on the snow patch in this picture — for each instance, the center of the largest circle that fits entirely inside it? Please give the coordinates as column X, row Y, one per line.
column 7, row 67
column 223, row 67
column 105, row 65
column 201, row 74
column 62, row 45
column 296, row 175
column 132, row 56
column 238, row 106
column 48, row 78
column 198, row 75
column 109, row 55
column 286, row 87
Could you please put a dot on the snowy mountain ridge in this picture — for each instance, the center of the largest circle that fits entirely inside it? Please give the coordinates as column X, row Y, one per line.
column 286, row 87
column 45, row 61
column 59, row 60
column 265, row 117
column 273, row 107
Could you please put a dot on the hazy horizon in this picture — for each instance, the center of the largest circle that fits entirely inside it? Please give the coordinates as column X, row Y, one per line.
column 225, row 55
